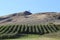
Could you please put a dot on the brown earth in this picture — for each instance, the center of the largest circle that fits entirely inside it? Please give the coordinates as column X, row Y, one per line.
column 29, row 18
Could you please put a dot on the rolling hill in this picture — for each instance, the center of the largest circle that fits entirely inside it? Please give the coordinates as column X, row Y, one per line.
column 29, row 26
column 30, row 18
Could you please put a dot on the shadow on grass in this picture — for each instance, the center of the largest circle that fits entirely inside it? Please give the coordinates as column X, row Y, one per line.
column 12, row 37
column 16, row 36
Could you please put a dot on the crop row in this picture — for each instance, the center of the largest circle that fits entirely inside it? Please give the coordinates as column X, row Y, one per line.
column 9, row 31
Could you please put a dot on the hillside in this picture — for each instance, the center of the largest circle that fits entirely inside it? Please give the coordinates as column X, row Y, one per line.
column 19, row 26
column 30, row 18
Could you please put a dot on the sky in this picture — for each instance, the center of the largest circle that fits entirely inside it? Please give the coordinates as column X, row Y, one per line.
column 34, row 6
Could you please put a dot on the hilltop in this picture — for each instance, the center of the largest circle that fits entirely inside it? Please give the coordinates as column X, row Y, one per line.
column 19, row 28
column 27, row 17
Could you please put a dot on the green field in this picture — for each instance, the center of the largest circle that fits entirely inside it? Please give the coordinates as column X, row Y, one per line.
column 30, row 32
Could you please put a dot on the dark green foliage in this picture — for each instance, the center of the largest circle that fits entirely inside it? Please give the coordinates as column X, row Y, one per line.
column 11, row 31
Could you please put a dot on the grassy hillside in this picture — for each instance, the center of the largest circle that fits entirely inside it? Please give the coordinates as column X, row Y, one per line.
column 23, row 31
column 28, row 26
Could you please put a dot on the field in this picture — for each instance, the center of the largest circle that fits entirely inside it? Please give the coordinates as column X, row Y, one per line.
column 30, row 32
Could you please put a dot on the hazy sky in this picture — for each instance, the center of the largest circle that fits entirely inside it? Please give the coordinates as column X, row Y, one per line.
column 34, row 6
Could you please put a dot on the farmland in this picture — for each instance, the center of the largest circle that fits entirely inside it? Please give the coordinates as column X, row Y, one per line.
column 17, row 31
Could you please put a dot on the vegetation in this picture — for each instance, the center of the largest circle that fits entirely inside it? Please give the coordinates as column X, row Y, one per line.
column 14, row 31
